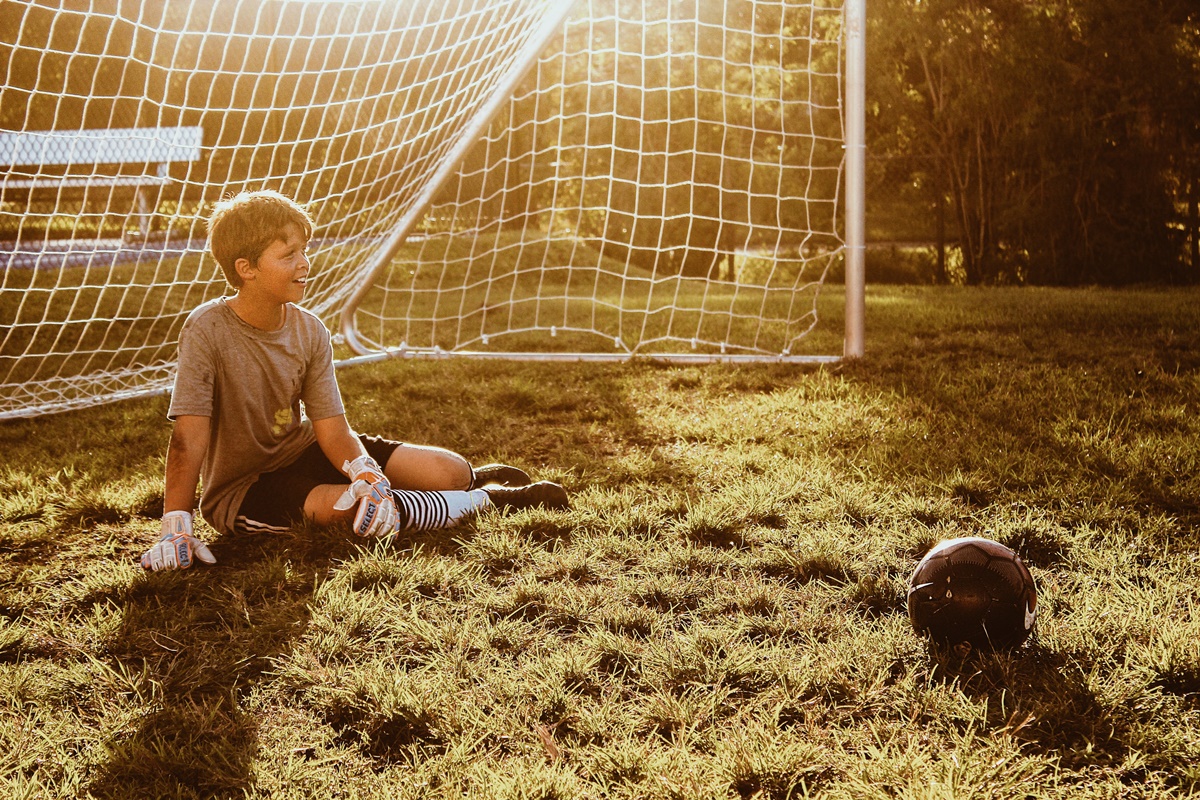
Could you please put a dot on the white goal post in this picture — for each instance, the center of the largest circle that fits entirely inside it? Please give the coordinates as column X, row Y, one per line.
column 535, row 179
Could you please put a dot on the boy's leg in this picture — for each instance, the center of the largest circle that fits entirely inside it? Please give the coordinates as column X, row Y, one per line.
column 419, row 510
column 433, row 510
column 427, row 469
column 436, row 488
column 423, row 468
column 433, row 488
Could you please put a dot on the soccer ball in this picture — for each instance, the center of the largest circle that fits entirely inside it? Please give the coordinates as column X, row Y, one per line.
column 972, row 590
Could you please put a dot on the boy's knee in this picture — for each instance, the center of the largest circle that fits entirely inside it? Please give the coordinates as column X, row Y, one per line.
column 459, row 474
column 448, row 470
column 428, row 468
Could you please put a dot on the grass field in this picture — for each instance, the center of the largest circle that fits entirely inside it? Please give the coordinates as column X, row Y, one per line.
column 720, row 614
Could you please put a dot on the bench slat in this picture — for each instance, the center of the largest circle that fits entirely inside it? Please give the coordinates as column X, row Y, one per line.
column 81, row 181
column 100, row 146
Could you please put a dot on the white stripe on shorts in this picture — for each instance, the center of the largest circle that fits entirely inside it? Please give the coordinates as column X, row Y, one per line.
column 253, row 527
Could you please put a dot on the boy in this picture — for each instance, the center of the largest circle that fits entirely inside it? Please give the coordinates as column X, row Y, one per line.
column 246, row 363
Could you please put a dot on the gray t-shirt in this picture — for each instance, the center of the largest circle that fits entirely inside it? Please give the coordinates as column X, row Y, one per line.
column 251, row 384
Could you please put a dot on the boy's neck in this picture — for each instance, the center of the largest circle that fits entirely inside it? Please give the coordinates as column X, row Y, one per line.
column 264, row 316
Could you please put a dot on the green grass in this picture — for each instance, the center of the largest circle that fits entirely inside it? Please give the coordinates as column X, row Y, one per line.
column 720, row 614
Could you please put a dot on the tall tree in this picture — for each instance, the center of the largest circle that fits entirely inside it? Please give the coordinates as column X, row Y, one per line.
column 1054, row 129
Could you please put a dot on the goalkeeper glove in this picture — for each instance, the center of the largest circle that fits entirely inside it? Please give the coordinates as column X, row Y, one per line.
column 377, row 514
column 177, row 548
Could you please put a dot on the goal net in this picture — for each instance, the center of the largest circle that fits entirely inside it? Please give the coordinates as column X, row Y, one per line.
column 495, row 178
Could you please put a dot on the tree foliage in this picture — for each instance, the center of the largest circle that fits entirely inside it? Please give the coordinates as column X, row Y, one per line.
column 1062, row 135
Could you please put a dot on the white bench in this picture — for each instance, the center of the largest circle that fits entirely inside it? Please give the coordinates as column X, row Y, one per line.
column 71, row 150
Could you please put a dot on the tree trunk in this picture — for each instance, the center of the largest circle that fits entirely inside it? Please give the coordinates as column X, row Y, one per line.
column 939, row 276
column 1194, row 222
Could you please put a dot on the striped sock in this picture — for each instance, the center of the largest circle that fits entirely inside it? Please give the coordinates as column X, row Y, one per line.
column 428, row 511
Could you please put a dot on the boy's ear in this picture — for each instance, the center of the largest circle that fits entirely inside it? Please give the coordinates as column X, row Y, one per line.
column 244, row 268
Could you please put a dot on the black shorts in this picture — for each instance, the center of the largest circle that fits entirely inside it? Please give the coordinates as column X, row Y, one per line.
column 276, row 500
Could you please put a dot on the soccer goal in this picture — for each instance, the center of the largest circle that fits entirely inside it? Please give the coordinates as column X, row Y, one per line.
column 532, row 179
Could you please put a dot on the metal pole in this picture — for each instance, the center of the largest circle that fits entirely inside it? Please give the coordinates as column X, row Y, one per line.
column 551, row 24
column 608, row 358
column 856, row 150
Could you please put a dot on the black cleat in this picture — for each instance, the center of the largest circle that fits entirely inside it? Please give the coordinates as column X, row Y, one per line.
column 543, row 493
column 500, row 474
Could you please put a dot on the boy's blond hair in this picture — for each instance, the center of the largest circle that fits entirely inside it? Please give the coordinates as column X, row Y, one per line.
column 245, row 225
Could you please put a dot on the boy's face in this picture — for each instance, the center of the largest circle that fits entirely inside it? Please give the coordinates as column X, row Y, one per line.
column 282, row 270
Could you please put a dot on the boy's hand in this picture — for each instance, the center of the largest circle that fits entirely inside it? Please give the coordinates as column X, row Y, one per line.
column 177, row 548
column 377, row 514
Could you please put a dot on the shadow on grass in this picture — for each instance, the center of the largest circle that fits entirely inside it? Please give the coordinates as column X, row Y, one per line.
column 197, row 642
column 1042, row 698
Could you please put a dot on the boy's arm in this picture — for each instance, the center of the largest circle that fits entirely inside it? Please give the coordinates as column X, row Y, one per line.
column 177, row 548
column 185, row 458
column 337, row 440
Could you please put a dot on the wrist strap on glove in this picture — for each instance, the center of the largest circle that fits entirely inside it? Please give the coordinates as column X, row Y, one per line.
column 175, row 523
column 361, row 467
